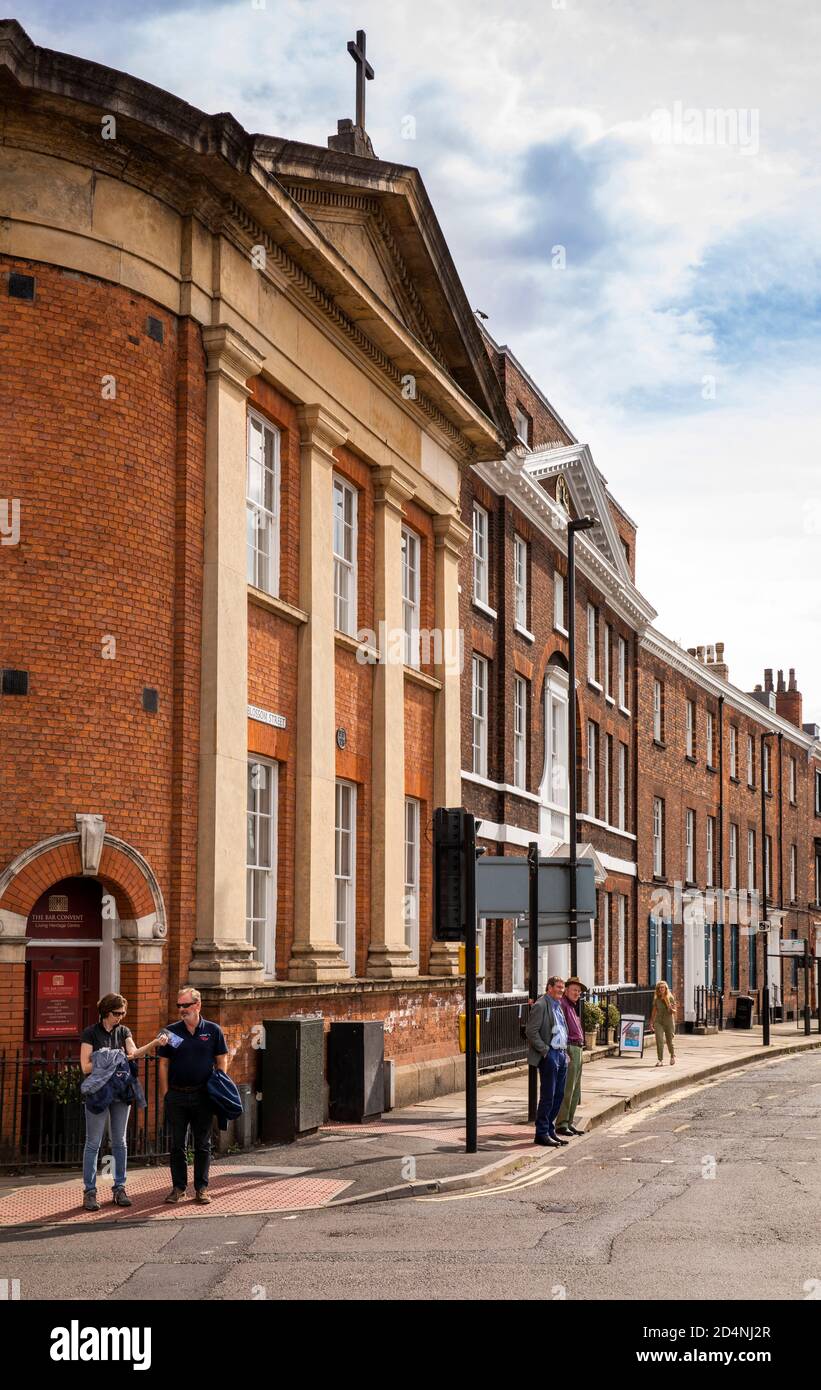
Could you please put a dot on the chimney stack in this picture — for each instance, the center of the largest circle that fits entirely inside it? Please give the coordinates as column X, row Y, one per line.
column 768, row 678
column 719, row 665
column 789, row 702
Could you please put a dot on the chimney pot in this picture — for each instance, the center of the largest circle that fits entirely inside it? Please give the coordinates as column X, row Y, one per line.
column 720, row 651
column 793, row 685
column 781, row 685
column 768, row 677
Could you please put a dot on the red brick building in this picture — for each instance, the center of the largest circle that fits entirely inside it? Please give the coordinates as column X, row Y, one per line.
column 240, row 385
column 664, row 799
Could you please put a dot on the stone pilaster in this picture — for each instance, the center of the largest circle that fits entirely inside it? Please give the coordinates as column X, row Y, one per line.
column 315, row 954
column 451, row 535
column 221, row 953
column 389, row 957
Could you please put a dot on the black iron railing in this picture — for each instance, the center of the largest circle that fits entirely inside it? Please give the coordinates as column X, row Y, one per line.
column 502, row 1022
column 709, row 1006
column 42, row 1116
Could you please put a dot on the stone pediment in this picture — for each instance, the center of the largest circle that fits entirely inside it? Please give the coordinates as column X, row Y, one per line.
column 356, row 226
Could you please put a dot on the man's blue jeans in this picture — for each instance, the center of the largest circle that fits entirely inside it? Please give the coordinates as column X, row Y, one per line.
column 95, row 1129
column 552, row 1077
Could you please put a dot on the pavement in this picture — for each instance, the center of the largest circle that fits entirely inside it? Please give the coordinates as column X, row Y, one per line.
column 413, row 1152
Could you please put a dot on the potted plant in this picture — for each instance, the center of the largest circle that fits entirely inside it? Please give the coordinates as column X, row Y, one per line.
column 592, row 1020
column 613, row 1020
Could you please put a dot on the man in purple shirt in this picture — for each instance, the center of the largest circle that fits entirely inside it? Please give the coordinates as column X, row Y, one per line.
column 569, row 1003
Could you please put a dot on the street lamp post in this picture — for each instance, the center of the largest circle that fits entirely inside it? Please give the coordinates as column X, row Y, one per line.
column 765, row 935
column 583, row 523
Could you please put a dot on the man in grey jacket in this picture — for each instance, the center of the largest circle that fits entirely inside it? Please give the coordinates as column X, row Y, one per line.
column 547, row 1038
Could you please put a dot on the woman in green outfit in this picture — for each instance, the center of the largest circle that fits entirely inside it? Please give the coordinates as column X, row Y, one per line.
column 663, row 1022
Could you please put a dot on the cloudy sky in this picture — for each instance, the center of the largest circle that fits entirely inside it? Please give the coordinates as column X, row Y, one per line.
column 631, row 190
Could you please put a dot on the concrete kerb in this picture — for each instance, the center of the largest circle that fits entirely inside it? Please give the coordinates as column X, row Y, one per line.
column 493, row 1171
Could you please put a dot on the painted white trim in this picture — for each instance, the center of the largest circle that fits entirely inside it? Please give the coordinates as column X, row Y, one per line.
column 485, row 608
column 513, row 835
column 613, row 829
column 661, row 647
column 617, row 866
column 523, row 632
column 501, row 787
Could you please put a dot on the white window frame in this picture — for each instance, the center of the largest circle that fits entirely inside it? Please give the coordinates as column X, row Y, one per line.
column 481, row 550
column 520, row 732
column 520, row 582
column 622, row 673
column 608, row 640
column 733, row 856
column 558, row 602
column 345, row 566
column 690, row 846
column 621, row 900
column 522, row 416
column 607, row 809
column 658, row 837
column 592, row 768
column 793, row 873
column 658, row 727
column 592, row 652
column 710, row 739
column 733, row 750
column 768, row 855
column 345, row 923
column 750, row 860
column 555, row 791
column 479, row 700
column 413, row 821
column 711, row 847
column 793, row 780
column 765, row 766
column 621, row 819
column 605, row 922
column 262, row 521
column 411, row 585
column 690, row 727
column 750, row 761
column 261, row 840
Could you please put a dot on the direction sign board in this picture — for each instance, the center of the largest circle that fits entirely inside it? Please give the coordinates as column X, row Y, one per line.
column 796, row 946
column 503, row 888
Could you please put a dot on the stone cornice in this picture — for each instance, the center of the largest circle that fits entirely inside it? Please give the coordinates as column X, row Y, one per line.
column 663, row 649
column 320, row 430
column 391, row 488
column 508, row 478
column 230, row 356
column 206, row 165
column 450, row 532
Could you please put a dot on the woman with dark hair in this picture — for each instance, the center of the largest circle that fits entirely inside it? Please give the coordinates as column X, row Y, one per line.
column 108, row 1032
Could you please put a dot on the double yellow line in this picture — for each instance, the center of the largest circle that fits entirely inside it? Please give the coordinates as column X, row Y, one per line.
column 526, row 1179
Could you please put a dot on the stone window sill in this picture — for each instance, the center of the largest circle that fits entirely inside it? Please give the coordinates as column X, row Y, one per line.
column 417, row 677
column 485, row 608
column 288, row 611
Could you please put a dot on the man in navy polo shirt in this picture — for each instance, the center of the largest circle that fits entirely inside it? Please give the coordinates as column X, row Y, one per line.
column 184, row 1071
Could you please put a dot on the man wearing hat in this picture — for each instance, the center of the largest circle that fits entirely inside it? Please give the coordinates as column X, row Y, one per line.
column 569, row 1004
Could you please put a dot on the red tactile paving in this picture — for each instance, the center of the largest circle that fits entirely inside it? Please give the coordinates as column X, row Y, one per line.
column 233, row 1190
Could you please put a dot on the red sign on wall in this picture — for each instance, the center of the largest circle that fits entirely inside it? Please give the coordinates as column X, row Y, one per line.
column 57, row 1004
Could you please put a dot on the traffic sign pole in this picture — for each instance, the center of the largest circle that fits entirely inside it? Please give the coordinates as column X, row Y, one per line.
column 471, row 1079
column 533, row 961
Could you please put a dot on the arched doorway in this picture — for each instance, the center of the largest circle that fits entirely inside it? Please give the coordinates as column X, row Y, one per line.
column 65, row 936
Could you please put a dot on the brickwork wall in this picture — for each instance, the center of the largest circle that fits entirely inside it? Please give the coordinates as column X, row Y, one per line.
column 106, row 574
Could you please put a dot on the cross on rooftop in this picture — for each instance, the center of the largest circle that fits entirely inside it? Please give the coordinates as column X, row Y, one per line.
column 363, row 71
